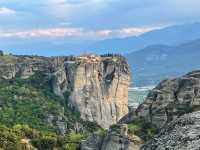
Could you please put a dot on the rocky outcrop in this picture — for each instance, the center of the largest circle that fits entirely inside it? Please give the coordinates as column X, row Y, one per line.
column 100, row 91
column 181, row 134
column 116, row 138
column 96, row 86
column 171, row 99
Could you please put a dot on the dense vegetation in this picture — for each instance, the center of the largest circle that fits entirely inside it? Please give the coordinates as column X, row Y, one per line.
column 22, row 137
column 25, row 106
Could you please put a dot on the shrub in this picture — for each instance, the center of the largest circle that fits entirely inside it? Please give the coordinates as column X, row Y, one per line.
column 45, row 143
column 8, row 140
column 25, row 131
column 74, row 137
column 145, row 130
column 70, row 147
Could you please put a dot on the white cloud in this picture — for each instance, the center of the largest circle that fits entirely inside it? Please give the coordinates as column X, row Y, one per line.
column 75, row 32
column 6, row 11
column 68, row 1
column 133, row 31
column 54, row 32
column 73, row 9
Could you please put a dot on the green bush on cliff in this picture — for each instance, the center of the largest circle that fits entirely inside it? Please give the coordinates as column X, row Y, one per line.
column 141, row 128
column 72, row 140
column 44, row 142
column 25, row 131
column 74, row 137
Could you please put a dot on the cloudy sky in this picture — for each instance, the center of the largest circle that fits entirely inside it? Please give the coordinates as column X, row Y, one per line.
column 91, row 19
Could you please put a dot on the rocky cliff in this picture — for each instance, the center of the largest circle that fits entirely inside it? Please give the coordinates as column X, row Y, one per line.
column 96, row 86
column 99, row 89
column 171, row 99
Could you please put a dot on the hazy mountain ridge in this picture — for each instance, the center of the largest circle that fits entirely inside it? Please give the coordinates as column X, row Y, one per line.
column 172, row 35
column 154, row 63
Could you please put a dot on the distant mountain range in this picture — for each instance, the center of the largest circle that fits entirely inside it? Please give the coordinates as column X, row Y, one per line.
column 172, row 35
column 155, row 63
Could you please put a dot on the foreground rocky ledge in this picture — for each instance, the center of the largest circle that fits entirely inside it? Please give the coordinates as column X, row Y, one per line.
column 181, row 134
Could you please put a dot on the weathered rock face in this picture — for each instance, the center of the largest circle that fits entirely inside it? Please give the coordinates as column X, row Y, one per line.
column 100, row 91
column 98, row 86
column 116, row 138
column 181, row 134
column 171, row 99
